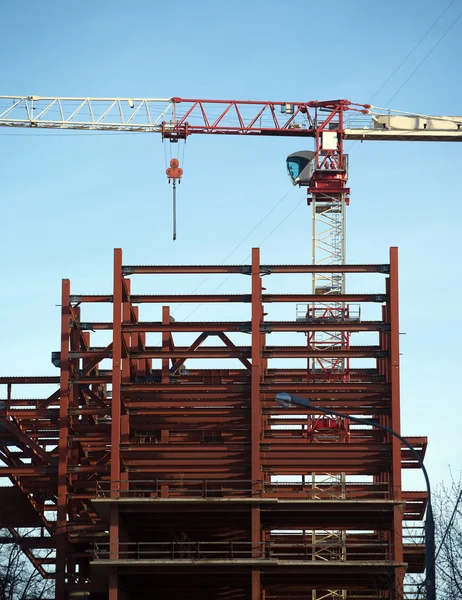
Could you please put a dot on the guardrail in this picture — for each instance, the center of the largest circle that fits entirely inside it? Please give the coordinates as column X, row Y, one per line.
column 374, row 550
column 241, row 488
column 325, row 310
column 411, row 592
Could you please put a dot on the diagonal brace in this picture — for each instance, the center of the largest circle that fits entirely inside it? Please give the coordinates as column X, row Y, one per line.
column 225, row 339
column 178, row 363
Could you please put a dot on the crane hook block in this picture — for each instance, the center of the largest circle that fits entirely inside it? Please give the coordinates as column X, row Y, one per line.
column 174, row 172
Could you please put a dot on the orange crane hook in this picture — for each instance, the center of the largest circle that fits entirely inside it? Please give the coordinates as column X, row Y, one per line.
column 174, row 174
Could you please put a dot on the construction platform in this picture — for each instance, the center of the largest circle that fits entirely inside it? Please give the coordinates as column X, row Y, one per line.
column 150, row 476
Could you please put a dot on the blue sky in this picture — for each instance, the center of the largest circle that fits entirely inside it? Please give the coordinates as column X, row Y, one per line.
column 68, row 200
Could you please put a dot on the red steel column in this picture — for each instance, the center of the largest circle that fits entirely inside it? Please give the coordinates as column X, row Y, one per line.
column 114, row 537
column 126, row 373
column 77, row 342
column 256, row 366
column 165, row 378
column 256, row 584
column 113, row 584
column 165, row 343
column 395, row 423
column 116, row 373
column 255, row 424
column 61, row 534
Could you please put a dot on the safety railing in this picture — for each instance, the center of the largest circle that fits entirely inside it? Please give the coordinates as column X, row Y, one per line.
column 331, row 594
column 202, row 436
column 332, row 311
column 241, row 488
column 358, row 122
column 370, row 550
column 180, row 488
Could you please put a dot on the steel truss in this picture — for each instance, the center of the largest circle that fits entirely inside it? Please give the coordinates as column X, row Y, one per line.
column 176, row 117
column 173, row 117
column 328, row 212
column 162, row 473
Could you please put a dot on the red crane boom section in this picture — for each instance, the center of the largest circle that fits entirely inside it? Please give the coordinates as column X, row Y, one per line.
column 253, row 117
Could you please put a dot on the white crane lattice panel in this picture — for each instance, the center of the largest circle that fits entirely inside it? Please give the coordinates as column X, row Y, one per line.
column 328, row 249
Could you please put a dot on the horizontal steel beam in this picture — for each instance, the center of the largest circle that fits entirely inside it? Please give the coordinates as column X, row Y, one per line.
column 245, row 352
column 247, row 269
column 24, row 470
column 29, row 379
column 225, row 298
column 335, row 389
column 241, row 326
column 29, row 542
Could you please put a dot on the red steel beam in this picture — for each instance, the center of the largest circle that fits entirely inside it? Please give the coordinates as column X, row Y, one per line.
column 33, row 379
column 268, row 352
column 227, row 298
column 18, row 433
column 310, row 388
column 240, row 326
column 247, row 269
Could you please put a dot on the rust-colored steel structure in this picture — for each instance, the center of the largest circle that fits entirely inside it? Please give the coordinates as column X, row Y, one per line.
column 185, row 483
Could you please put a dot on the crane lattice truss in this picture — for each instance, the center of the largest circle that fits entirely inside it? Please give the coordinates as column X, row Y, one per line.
column 179, row 117
column 187, row 479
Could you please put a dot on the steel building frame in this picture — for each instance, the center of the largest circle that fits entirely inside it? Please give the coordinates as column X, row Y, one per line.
column 191, row 482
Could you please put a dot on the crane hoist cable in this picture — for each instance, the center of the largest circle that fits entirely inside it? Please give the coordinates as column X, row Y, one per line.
column 174, row 173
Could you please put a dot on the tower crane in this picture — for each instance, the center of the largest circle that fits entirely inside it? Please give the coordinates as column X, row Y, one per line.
column 323, row 171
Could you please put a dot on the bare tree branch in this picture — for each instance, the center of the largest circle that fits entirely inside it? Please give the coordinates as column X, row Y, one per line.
column 19, row 580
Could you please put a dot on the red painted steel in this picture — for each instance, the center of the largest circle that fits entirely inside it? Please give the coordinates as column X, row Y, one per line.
column 169, row 469
column 61, row 514
column 250, row 117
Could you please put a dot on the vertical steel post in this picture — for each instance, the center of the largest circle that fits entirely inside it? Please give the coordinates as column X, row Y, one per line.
column 256, row 365
column 126, row 374
column 395, row 419
column 165, row 378
column 126, row 318
column 116, row 374
column 165, row 343
column 113, row 584
column 78, row 340
column 61, row 533
column 256, row 319
column 256, row 584
column 114, row 534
